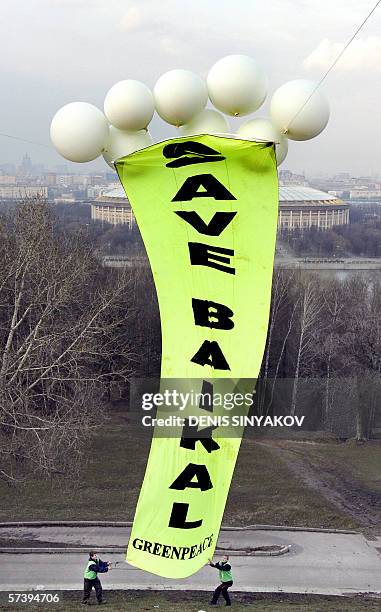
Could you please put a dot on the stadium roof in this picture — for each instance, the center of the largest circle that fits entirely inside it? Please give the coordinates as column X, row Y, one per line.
column 287, row 193
column 297, row 193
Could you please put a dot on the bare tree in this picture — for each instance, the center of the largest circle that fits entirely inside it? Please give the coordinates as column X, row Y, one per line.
column 63, row 336
column 282, row 314
column 309, row 309
column 280, row 288
column 330, row 328
column 361, row 350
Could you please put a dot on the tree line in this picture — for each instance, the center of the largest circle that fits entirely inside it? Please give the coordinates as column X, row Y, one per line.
column 323, row 353
column 74, row 335
column 362, row 238
column 70, row 332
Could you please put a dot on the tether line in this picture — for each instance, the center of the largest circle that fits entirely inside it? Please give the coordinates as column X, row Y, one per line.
column 34, row 142
column 333, row 64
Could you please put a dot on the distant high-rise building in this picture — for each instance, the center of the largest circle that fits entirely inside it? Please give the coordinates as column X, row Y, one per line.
column 26, row 167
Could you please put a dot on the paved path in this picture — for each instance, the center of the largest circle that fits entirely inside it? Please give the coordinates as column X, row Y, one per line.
column 324, row 563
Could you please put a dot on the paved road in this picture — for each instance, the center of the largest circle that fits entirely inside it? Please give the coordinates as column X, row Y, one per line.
column 317, row 563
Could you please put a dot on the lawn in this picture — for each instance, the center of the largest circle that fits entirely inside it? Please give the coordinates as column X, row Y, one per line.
column 264, row 489
column 348, row 474
column 358, row 462
column 173, row 601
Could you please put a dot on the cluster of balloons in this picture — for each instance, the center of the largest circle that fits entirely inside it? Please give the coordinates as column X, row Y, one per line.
column 235, row 85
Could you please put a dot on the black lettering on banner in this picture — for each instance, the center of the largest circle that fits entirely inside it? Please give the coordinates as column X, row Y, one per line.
column 206, row 314
column 206, row 399
column 147, row 546
column 205, row 255
column 178, row 519
column 185, row 479
column 191, row 434
column 193, row 552
column 212, row 314
column 210, row 354
column 190, row 152
column 184, row 552
column 216, row 225
column 212, row 189
column 169, row 552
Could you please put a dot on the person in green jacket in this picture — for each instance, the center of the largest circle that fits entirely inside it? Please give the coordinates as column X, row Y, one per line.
column 226, row 578
column 94, row 566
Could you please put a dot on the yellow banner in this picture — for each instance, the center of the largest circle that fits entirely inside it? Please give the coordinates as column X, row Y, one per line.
column 207, row 209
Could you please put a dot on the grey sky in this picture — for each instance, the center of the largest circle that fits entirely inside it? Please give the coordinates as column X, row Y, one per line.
column 58, row 51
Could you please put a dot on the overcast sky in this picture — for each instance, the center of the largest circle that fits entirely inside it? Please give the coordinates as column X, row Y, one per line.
column 59, row 51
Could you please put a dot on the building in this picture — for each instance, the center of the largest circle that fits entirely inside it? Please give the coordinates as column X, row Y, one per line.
column 50, row 179
column 6, row 179
column 22, row 192
column 303, row 207
column 299, row 208
column 64, row 180
column 113, row 207
column 26, row 167
column 286, row 177
column 64, row 198
column 365, row 194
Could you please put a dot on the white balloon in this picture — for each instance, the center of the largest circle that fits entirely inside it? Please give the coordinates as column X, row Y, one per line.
column 293, row 111
column 237, row 85
column 179, row 96
column 123, row 142
column 209, row 121
column 79, row 131
column 129, row 105
column 263, row 129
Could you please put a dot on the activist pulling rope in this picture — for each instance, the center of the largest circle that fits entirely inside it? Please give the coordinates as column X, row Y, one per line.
column 225, row 574
column 94, row 566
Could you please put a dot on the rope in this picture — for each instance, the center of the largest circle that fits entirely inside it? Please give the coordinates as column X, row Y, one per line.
column 333, row 64
column 34, row 142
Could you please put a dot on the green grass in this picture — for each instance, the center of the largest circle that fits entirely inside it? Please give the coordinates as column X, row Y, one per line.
column 107, row 488
column 359, row 462
column 264, row 490
column 187, row 601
